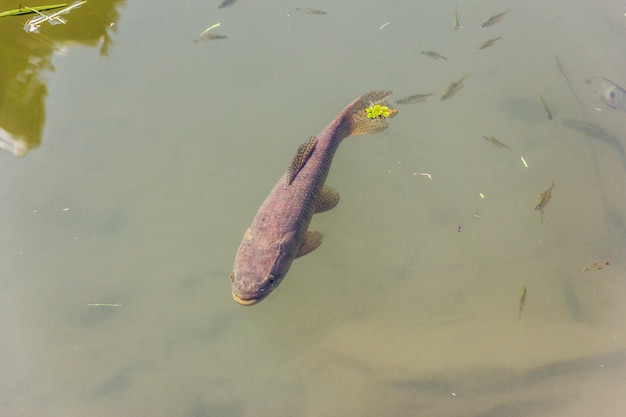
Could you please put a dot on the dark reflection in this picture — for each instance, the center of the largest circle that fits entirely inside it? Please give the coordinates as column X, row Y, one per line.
column 26, row 55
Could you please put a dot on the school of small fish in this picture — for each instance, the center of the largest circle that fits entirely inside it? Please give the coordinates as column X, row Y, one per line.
column 248, row 289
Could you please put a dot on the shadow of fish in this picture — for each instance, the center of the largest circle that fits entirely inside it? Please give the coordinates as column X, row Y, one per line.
column 278, row 233
column 593, row 131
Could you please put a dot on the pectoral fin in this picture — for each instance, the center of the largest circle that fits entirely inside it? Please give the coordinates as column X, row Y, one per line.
column 328, row 199
column 312, row 240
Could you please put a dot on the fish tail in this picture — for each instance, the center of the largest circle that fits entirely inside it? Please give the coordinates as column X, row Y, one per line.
column 356, row 114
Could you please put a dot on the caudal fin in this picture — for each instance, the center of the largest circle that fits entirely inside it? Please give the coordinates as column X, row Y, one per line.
column 357, row 115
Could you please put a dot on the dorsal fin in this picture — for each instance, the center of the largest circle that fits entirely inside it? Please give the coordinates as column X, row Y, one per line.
column 302, row 155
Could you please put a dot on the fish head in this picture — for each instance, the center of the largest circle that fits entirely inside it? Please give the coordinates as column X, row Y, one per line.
column 608, row 91
column 260, row 268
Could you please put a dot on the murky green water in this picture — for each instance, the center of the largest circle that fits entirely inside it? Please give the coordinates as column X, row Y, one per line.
column 144, row 157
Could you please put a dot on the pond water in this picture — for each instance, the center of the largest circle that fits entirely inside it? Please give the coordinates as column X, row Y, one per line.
column 133, row 159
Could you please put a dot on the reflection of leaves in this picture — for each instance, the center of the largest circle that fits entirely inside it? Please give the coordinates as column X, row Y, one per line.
column 27, row 56
column 34, row 9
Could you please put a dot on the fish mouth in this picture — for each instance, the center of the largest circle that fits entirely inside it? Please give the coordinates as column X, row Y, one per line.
column 245, row 301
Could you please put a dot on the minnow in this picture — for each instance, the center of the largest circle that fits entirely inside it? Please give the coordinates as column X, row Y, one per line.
column 226, row 3
column 414, row 98
column 310, row 10
column 279, row 232
column 453, row 88
column 546, row 109
column 494, row 19
column 496, row 142
column 433, row 54
column 489, row 43
column 522, row 302
column 457, row 25
column 543, row 199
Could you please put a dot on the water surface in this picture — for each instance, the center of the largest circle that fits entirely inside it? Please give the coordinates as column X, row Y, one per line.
column 143, row 157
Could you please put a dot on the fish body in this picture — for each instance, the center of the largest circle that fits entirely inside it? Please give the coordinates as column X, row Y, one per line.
column 522, row 302
column 494, row 19
column 279, row 232
column 611, row 93
column 496, row 142
column 226, row 3
column 434, row 55
column 414, row 98
column 453, row 88
column 543, row 199
column 457, row 25
column 489, row 43
column 210, row 37
column 310, row 10
column 546, row 109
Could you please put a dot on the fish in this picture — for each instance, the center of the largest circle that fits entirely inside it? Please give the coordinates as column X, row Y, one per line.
column 226, row 3
column 310, row 10
column 414, row 98
column 453, row 88
column 612, row 94
column 543, row 199
column 496, row 142
column 457, row 25
column 546, row 108
column 596, row 266
column 279, row 231
column 494, row 19
column 434, row 55
column 210, row 37
column 522, row 302
column 489, row 43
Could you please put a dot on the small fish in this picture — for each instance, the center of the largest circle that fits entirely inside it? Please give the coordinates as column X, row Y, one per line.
column 489, row 43
column 434, row 55
column 496, row 142
column 279, row 231
column 457, row 25
column 226, row 3
column 494, row 19
column 310, row 10
column 611, row 93
column 546, row 108
column 522, row 302
column 414, row 98
column 596, row 266
column 453, row 88
column 543, row 199
column 210, row 37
